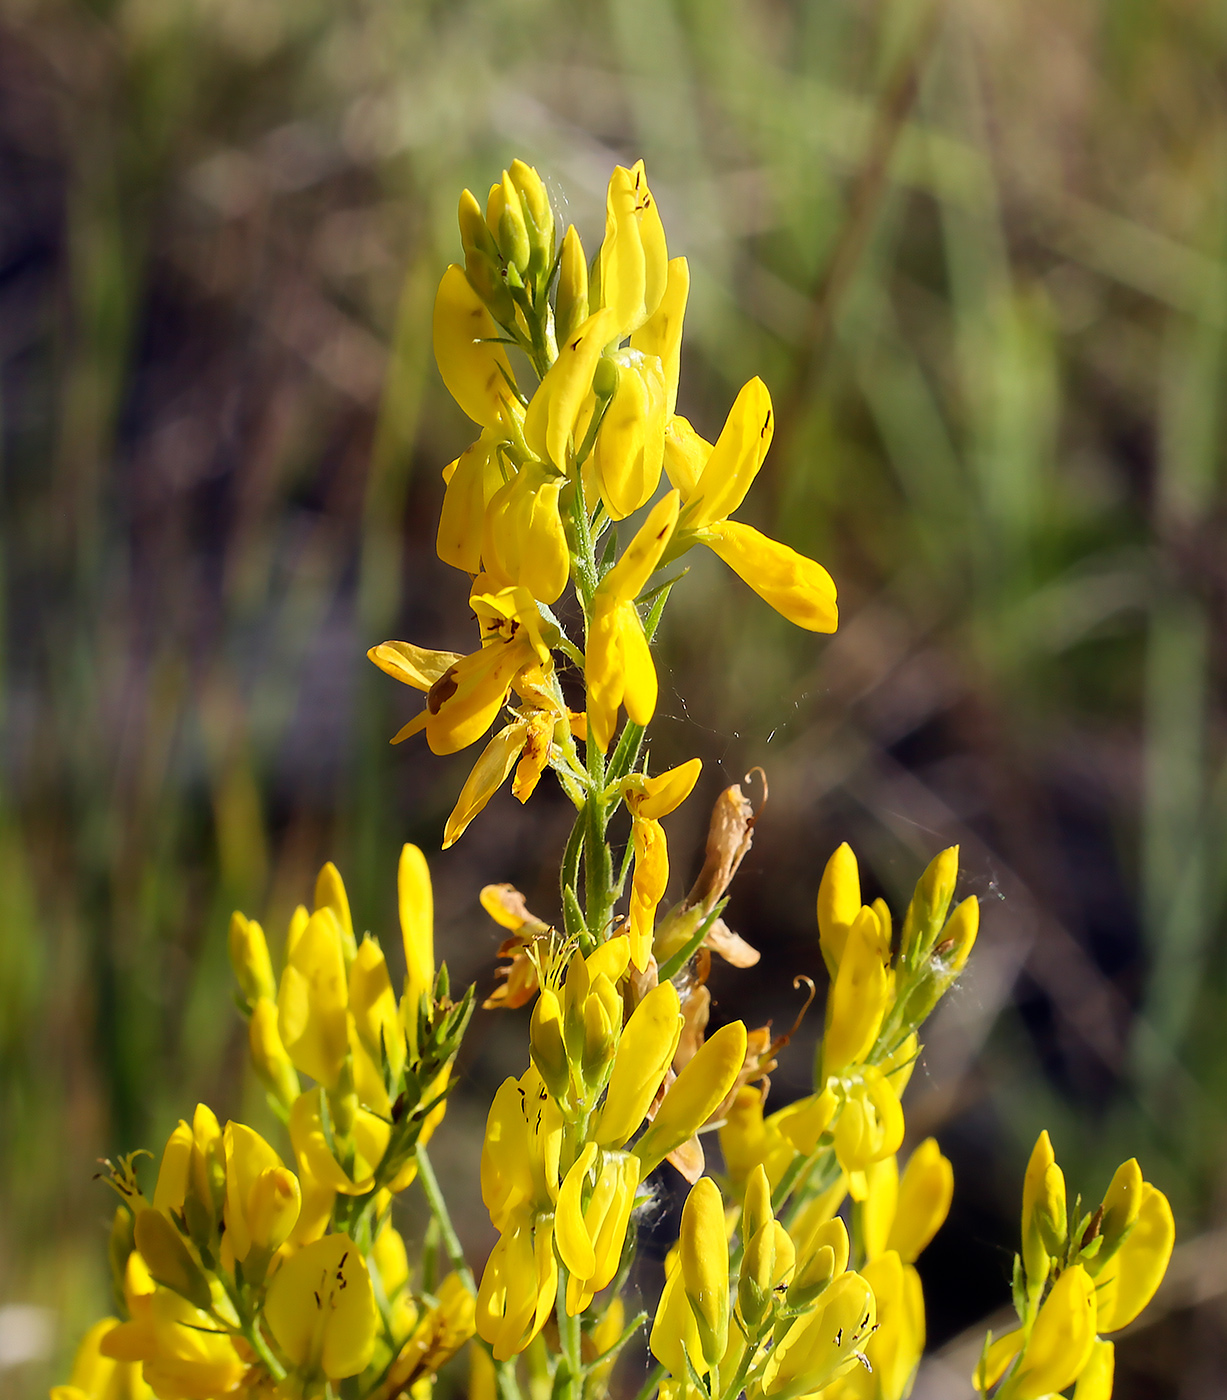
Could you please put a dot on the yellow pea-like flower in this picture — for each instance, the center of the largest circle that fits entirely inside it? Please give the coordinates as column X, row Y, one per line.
column 182, row 1353
column 748, row 1139
column 661, row 333
column 1061, row 1340
column 894, row 1350
column 313, row 999
column 472, row 480
column 262, row 1198
column 548, row 1047
column 474, row 367
column 592, row 1247
column 803, row 1123
column 869, row 1126
column 523, row 540
column 877, row 1211
column 518, row 1286
column 653, row 798
column 735, row 459
column 925, row 1192
column 98, row 1377
column 555, row 407
column 645, row 1052
column 630, row 445
column 370, row 1141
column 1129, row 1279
column 618, row 667
column 822, row 1249
column 634, row 260
column 321, row 1309
column 695, row 1094
column 860, row 997
column 824, row 1343
column 797, row 587
column 766, row 1265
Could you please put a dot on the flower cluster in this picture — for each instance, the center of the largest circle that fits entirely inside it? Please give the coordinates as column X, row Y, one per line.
column 1081, row 1275
column 793, row 1274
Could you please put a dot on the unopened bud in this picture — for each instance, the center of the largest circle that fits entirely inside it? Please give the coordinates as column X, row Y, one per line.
column 571, row 301
column 547, row 1046
column 819, row 1258
column 169, row 1261
column 1121, row 1203
column 268, row 1054
column 272, row 1208
column 505, row 220
column 927, row 911
column 482, row 261
column 599, row 1040
column 343, row 1100
column 538, row 216
column 250, row 960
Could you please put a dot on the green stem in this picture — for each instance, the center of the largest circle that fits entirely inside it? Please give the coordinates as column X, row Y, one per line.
column 570, row 1340
column 251, row 1334
column 447, row 1231
column 652, row 1384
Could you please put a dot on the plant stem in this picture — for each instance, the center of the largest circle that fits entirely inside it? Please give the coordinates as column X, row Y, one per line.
column 570, row 1341
column 438, row 1208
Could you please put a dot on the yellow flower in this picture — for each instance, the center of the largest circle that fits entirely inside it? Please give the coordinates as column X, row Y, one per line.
column 633, row 261
column 1043, row 1214
column 644, row 1055
column 839, row 904
column 904, row 1215
column 553, row 411
column 321, row 1310
column 693, row 1096
column 713, row 482
column 313, row 1000
column 894, row 1350
column 464, row 693
column 370, row 1135
column 630, row 446
column 438, row 1336
column 523, row 541
column 823, row 1344
column 1127, row 1282
column 250, row 960
column 262, row 1198
column 748, row 1140
column 472, row 480
column 649, row 799
column 1062, row 1340
column 184, row 1353
column 415, row 903
column 474, row 367
column 518, row 1285
column 869, row 1126
column 661, row 334
column 99, row 1377
column 590, row 1239
column 617, row 664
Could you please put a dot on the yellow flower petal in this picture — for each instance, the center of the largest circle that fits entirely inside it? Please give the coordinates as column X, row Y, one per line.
column 796, row 587
column 475, row 370
column 321, row 1309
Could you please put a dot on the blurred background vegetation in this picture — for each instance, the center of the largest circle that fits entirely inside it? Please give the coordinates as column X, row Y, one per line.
column 978, row 252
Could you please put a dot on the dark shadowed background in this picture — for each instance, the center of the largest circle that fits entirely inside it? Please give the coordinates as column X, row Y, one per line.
column 979, row 254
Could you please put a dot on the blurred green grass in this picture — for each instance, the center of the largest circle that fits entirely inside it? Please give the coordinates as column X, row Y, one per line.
column 977, row 253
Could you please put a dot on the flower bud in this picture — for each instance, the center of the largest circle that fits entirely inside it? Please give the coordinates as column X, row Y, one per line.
column 571, row 302
column 249, row 958
column 168, row 1259
column 538, row 216
column 704, row 1261
column 599, row 1037
column 927, row 911
column 272, row 1208
column 505, row 220
column 820, row 1257
column 767, row 1262
column 1062, row 1339
column 546, row 1044
column 1121, row 1203
column 839, row 903
column 268, row 1054
column 1035, row 1253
